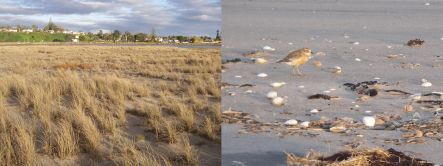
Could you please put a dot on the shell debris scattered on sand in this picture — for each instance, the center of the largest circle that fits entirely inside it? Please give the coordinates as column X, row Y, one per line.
column 425, row 83
column 271, row 95
column 279, row 101
column 277, row 84
column 260, row 60
column 305, row 124
column 268, row 48
column 262, row 75
column 291, row 122
column 369, row 121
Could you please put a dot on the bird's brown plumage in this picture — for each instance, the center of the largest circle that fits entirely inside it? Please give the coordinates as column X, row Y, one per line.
column 297, row 58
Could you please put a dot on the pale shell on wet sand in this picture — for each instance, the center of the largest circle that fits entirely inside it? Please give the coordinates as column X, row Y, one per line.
column 337, row 129
column 278, row 101
column 369, row 121
column 291, row 122
column 268, row 48
column 271, row 94
column 277, row 84
column 305, row 124
column 262, row 75
column 260, row 60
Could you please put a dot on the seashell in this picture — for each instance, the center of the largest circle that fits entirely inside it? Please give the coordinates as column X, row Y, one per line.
column 379, row 121
column 268, row 48
column 291, row 122
column 336, row 70
column 301, row 86
column 314, row 111
column 278, row 101
column 408, row 108
column 262, row 75
column 320, row 53
column 427, row 4
column 392, row 56
column 337, row 129
column 356, row 43
column 317, row 64
column 415, row 96
column 357, row 59
column 377, row 78
column 326, row 91
column 277, row 84
column 249, row 91
column 368, row 112
column 260, row 61
column 305, row 124
column 369, row 121
column 238, row 76
column 426, row 84
column 231, row 93
column 271, row 94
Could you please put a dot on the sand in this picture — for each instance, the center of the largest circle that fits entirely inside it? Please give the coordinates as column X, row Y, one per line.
column 381, row 28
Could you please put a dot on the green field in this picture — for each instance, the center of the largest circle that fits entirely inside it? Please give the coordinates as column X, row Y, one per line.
column 34, row 37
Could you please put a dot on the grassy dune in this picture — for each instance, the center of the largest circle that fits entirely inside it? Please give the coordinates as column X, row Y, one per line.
column 109, row 105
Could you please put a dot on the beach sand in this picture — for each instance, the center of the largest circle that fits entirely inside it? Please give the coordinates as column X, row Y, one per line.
column 343, row 30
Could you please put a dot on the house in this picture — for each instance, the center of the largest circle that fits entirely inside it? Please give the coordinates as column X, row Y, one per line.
column 75, row 40
column 67, row 32
column 12, row 30
column 28, row 30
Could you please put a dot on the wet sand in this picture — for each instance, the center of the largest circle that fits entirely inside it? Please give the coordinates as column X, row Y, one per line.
column 380, row 27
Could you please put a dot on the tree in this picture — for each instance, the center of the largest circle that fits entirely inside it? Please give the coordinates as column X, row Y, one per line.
column 218, row 37
column 127, row 36
column 51, row 26
column 140, row 37
column 34, row 28
column 100, row 34
column 116, row 35
column 152, row 36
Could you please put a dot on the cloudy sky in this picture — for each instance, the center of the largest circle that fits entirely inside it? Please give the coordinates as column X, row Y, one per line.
column 178, row 17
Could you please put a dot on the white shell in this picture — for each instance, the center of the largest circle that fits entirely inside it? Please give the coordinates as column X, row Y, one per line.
column 262, row 75
column 278, row 101
column 291, row 122
column 337, row 129
column 415, row 96
column 326, row 91
column 441, row 38
column 305, row 124
column 424, row 80
column 427, row 4
column 277, row 84
column 271, row 94
column 268, row 48
column 249, row 91
column 368, row 112
column 301, row 86
column 376, row 78
column 357, row 59
column 260, row 60
column 426, row 84
column 238, row 76
column 369, row 121
column 314, row 111
column 356, row 43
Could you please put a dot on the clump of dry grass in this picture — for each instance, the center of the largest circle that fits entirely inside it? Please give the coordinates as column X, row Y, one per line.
column 76, row 100
column 358, row 157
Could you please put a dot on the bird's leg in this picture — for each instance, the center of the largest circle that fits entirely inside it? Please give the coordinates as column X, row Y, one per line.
column 294, row 72
column 299, row 73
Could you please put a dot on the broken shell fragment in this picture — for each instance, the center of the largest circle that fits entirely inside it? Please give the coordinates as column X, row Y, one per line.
column 291, row 122
column 305, row 124
column 271, row 94
column 268, row 48
column 260, row 61
column 369, row 121
column 337, row 129
column 277, row 84
column 317, row 64
column 278, row 101
column 408, row 108
column 262, row 75
column 314, row 111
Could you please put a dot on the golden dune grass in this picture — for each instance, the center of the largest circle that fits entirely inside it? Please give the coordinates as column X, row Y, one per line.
column 107, row 104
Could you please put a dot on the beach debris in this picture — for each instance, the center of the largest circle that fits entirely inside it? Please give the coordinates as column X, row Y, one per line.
column 278, row 101
column 268, row 48
column 413, row 134
column 337, row 129
column 369, row 121
column 314, row 111
column 262, row 75
column 305, row 124
column 361, row 156
column 416, row 96
column 364, row 88
column 427, row 4
column 415, row 42
column 317, row 64
column 346, row 36
column 235, row 60
column 260, row 60
column 291, row 122
column 249, row 91
column 238, row 163
column 247, row 85
column 322, row 96
column 301, row 86
column 441, row 38
column 277, row 84
column 377, row 78
column 271, row 95
column 392, row 56
column 256, row 54
column 416, row 116
column 326, row 91
column 356, row 43
column 397, row 92
column 336, row 70
column 231, row 93
column 408, row 108
column 290, row 43
column 320, row 53
column 238, row 76
column 357, row 59
column 425, row 83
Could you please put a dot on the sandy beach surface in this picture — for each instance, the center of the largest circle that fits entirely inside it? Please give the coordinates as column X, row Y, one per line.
column 356, row 35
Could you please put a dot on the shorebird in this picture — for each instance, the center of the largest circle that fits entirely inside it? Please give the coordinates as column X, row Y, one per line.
column 297, row 58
